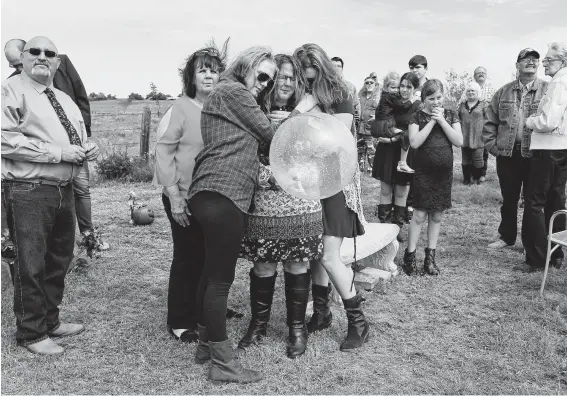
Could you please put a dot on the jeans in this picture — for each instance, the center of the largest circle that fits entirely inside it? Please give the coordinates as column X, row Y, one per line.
column 186, row 268
column 544, row 195
column 83, row 199
column 41, row 219
column 222, row 225
column 513, row 172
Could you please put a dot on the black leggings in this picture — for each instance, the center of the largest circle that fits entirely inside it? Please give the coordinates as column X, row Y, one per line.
column 222, row 225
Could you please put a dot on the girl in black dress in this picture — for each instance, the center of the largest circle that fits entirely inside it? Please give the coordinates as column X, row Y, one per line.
column 339, row 219
column 433, row 131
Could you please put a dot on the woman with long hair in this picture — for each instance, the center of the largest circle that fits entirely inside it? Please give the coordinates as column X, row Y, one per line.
column 396, row 106
column 232, row 126
column 176, row 150
column 342, row 213
column 281, row 229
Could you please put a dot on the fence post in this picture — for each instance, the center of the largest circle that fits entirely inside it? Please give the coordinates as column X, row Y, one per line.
column 145, row 135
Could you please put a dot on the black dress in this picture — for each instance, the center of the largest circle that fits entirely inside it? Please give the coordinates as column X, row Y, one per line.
column 388, row 154
column 433, row 165
column 338, row 219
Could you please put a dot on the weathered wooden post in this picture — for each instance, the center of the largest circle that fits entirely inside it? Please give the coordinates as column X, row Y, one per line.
column 145, row 135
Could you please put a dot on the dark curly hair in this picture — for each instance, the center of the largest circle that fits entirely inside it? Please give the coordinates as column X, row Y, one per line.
column 209, row 56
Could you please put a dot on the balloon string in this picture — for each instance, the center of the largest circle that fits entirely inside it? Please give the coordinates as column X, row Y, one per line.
column 354, row 266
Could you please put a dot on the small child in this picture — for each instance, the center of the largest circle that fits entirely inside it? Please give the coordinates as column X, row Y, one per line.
column 433, row 131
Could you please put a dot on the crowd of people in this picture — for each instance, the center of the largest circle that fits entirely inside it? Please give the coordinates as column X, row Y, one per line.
column 223, row 202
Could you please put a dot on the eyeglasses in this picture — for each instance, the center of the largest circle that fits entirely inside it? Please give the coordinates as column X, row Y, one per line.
column 369, row 83
column 547, row 60
column 38, row 51
column 264, row 77
column 530, row 60
column 283, row 78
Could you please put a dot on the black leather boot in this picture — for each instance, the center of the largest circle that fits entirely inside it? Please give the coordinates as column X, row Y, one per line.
column 384, row 213
column 357, row 325
column 322, row 316
column 467, row 173
column 410, row 264
column 261, row 296
column 429, row 262
column 296, row 297
column 225, row 366
column 398, row 217
column 202, row 354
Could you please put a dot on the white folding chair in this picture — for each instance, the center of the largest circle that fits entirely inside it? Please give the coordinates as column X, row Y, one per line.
column 559, row 238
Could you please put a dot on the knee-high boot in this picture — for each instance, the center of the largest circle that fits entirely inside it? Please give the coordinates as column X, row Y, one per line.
column 398, row 218
column 322, row 316
column 357, row 325
column 296, row 296
column 384, row 213
column 261, row 296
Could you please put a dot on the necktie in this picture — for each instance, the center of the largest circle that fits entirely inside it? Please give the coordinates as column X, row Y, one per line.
column 69, row 128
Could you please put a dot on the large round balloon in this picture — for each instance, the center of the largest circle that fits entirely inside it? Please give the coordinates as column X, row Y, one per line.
column 313, row 156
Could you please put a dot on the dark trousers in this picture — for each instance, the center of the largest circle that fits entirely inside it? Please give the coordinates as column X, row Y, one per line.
column 544, row 195
column 186, row 268
column 41, row 219
column 222, row 225
column 485, row 165
column 83, row 199
column 513, row 172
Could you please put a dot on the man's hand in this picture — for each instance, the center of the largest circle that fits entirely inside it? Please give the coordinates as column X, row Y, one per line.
column 92, row 151
column 73, row 154
column 179, row 210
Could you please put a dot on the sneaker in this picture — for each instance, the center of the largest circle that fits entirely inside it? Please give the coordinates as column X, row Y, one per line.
column 404, row 168
column 499, row 244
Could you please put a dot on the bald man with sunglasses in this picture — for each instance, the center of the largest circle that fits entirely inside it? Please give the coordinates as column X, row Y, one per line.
column 43, row 134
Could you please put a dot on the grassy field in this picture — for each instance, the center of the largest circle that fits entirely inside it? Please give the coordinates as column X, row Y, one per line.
column 479, row 328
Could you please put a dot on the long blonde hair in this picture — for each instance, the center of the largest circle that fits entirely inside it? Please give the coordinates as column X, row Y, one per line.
column 328, row 87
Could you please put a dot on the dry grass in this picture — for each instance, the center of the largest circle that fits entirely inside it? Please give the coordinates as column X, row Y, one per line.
column 479, row 328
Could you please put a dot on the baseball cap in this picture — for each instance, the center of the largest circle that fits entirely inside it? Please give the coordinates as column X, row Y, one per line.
column 526, row 52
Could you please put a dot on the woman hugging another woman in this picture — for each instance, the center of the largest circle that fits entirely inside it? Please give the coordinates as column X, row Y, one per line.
column 281, row 229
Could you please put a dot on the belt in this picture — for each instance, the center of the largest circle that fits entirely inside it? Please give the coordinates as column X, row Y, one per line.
column 38, row 181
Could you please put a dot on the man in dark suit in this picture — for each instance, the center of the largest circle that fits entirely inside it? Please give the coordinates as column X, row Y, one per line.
column 67, row 79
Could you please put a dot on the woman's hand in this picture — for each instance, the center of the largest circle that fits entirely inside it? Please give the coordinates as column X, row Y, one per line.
column 179, row 210
column 278, row 115
column 385, row 140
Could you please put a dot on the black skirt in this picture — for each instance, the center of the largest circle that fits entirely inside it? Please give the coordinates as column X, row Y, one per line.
column 338, row 219
column 386, row 162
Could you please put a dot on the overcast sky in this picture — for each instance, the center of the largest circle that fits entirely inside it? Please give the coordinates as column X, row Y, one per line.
column 120, row 46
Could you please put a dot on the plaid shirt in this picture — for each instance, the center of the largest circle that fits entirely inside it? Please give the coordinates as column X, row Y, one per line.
column 232, row 126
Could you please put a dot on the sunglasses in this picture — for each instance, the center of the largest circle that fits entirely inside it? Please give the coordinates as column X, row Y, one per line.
column 264, row 77
column 369, row 83
column 38, row 51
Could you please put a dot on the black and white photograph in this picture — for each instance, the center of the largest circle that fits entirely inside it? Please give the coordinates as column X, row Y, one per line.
column 344, row 197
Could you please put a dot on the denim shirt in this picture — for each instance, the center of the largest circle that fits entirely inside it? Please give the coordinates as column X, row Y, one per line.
column 502, row 117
